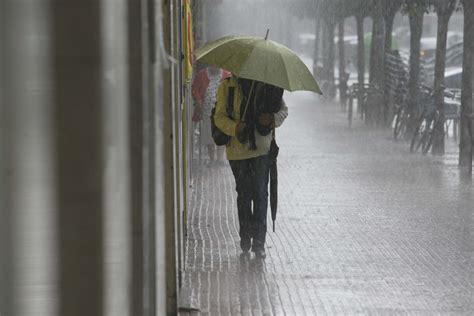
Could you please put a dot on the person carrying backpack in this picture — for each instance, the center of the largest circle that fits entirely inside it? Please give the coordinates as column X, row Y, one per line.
column 248, row 151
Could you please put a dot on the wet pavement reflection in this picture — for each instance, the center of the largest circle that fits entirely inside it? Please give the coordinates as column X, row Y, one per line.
column 364, row 227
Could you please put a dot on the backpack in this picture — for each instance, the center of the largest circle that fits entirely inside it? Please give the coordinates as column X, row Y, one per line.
column 220, row 138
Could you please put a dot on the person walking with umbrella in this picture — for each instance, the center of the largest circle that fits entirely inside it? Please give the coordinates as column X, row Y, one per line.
column 258, row 108
column 262, row 69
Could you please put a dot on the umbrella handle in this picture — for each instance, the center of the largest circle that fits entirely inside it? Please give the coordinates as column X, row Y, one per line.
column 248, row 101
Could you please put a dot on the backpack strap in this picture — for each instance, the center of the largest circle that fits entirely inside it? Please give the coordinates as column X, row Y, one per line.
column 230, row 102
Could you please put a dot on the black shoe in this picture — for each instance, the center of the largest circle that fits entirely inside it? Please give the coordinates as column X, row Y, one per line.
column 245, row 244
column 244, row 256
column 260, row 254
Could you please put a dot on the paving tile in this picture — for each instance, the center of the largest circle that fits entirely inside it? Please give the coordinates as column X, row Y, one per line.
column 363, row 228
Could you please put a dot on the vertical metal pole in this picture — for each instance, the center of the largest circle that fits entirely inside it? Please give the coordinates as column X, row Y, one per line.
column 177, row 80
column 351, row 103
column 200, row 142
column 471, row 132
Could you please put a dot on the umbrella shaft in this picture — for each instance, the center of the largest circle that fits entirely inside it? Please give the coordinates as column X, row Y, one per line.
column 248, row 101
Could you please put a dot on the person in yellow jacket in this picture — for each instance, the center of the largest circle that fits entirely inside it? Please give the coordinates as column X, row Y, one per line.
column 249, row 160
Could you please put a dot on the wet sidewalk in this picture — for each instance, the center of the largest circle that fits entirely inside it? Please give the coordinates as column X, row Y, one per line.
column 364, row 227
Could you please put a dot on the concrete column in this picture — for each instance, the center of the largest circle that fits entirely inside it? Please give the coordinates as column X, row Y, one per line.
column 6, row 263
column 27, row 174
column 79, row 158
column 117, row 174
column 75, row 144
column 128, row 57
column 142, row 117
column 135, row 120
column 166, row 227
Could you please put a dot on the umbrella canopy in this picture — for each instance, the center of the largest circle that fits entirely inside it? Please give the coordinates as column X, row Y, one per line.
column 259, row 59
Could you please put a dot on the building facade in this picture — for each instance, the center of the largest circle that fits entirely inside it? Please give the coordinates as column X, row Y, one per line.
column 95, row 156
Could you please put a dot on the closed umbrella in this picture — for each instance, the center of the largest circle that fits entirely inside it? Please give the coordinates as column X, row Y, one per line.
column 273, row 154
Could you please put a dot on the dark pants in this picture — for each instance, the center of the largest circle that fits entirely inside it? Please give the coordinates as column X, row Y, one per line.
column 251, row 178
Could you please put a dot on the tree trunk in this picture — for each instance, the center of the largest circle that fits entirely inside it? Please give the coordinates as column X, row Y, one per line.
column 465, row 144
column 360, row 55
column 329, row 58
column 377, row 51
column 416, row 30
column 325, row 49
column 377, row 71
column 371, row 52
column 389, row 19
column 443, row 21
column 317, row 44
column 342, row 65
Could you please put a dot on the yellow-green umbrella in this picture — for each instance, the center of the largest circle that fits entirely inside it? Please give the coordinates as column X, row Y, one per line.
column 259, row 59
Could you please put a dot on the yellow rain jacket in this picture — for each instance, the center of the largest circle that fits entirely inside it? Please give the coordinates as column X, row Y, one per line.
column 236, row 150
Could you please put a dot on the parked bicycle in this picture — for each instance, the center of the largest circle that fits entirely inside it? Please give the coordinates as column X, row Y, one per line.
column 401, row 113
column 360, row 93
column 430, row 118
column 396, row 85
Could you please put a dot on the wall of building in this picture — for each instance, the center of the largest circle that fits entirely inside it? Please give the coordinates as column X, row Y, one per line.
column 92, row 178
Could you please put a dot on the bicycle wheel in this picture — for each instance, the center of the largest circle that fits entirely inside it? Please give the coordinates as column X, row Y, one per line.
column 430, row 131
column 419, row 137
column 400, row 125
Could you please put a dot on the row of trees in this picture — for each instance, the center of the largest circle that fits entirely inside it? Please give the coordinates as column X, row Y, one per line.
column 332, row 13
